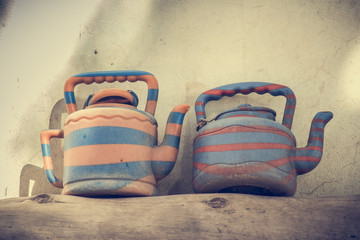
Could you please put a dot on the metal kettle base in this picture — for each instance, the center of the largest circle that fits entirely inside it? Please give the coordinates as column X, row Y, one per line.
column 240, row 178
column 109, row 187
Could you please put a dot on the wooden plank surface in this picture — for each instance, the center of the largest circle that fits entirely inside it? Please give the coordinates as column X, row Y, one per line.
column 188, row 216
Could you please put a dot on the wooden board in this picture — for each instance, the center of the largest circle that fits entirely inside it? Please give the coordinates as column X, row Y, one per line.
column 188, row 216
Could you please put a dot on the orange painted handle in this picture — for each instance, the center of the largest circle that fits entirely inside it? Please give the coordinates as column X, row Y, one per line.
column 45, row 137
column 112, row 76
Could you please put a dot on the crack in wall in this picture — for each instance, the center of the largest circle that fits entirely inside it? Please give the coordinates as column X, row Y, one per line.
column 355, row 156
column 319, row 186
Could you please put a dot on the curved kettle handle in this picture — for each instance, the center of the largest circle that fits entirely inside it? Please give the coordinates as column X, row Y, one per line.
column 45, row 137
column 246, row 88
column 112, row 76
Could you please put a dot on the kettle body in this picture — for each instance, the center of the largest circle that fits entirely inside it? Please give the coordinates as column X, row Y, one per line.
column 244, row 150
column 110, row 146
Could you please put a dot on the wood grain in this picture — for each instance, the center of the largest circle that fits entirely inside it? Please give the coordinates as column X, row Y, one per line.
column 188, row 216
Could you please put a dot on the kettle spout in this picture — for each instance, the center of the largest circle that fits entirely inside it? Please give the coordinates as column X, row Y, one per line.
column 164, row 156
column 307, row 158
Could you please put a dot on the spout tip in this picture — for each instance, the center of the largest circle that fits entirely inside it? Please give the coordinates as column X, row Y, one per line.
column 325, row 116
column 183, row 108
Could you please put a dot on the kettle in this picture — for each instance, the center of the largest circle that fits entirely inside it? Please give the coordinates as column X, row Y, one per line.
column 110, row 146
column 244, row 150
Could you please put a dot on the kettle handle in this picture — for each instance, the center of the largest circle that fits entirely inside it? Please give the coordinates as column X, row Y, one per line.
column 45, row 137
column 246, row 88
column 112, row 76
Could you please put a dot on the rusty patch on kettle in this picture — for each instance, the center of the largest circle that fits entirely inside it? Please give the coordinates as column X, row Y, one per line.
column 217, row 202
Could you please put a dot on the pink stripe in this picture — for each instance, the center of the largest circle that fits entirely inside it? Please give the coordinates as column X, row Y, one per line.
column 306, row 159
column 251, row 128
column 241, row 146
column 317, row 148
column 287, row 125
column 173, row 129
column 251, row 167
column 269, row 87
column 219, row 92
column 317, row 130
column 165, row 153
column 316, row 139
column 47, row 163
column 150, row 106
column 319, row 120
column 289, row 177
column 106, row 154
column 290, row 106
column 109, row 117
column 292, row 96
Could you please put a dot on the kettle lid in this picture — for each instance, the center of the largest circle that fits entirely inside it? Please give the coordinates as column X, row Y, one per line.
column 113, row 96
column 247, row 109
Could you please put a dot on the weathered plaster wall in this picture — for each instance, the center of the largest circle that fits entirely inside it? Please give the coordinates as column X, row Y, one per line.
column 190, row 46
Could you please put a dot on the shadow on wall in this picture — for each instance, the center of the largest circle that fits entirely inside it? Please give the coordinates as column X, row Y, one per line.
column 242, row 49
column 31, row 173
column 5, row 7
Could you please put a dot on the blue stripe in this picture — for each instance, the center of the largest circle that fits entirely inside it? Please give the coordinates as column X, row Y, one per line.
column 69, row 97
column 171, row 140
column 266, row 115
column 291, row 102
column 307, row 153
column 305, row 166
column 247, row 121
column 153, row 94
column 241, row 137
column 241, row 156
column 287, row 121
column 316, row 143
column 97, row 186
column 162, row 168
column 50, row 175
column 176, row 117
column 113, row 73
column 123, row 171
column 45, row 148
column 198, row 108
column 108, row 135
column 280, row 91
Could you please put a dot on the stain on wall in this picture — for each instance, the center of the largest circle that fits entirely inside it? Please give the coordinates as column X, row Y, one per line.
column 190, row 46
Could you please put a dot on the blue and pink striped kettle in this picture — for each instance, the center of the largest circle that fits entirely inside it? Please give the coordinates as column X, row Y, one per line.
column 111, row 146
column 244, row 150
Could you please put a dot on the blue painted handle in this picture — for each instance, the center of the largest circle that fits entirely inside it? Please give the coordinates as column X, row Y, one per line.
column 246, row 88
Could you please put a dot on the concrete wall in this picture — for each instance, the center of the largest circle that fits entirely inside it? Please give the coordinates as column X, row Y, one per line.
column 313, row 47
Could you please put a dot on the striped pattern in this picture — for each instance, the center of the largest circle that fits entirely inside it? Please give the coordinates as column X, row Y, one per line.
column 306, row 159
column 247, row 110
column 246, row 88
column 242, row 154
column 245, row 147
column 112, row 76
column 164, row 156
column 113, row 151
column 112, row 147
column 45, row 137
